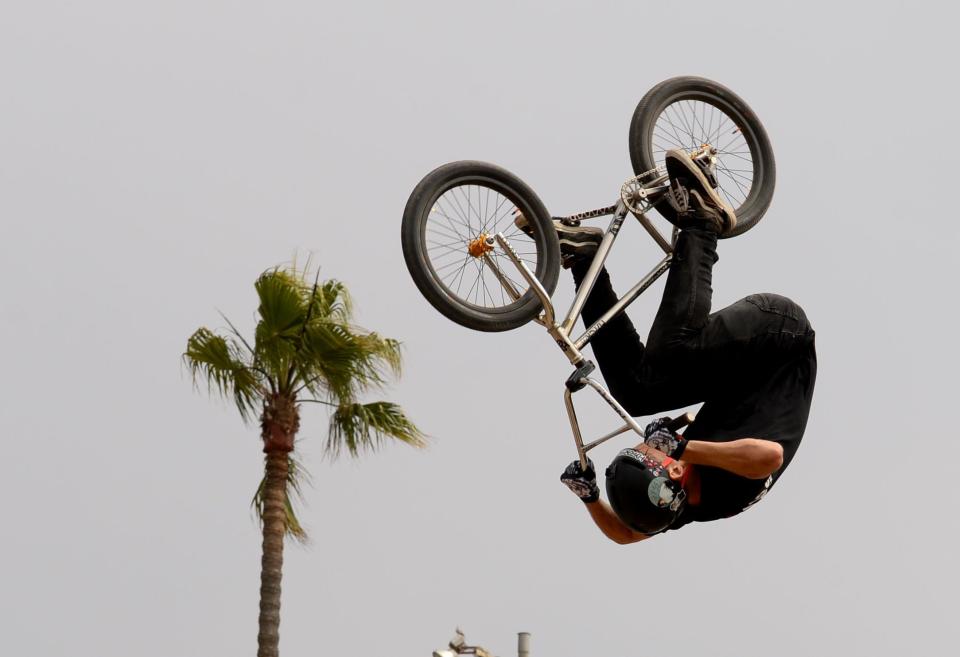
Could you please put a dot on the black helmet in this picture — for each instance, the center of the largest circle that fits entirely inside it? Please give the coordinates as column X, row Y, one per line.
column 642, row 493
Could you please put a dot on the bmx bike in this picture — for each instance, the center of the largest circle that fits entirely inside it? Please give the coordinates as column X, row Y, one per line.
column 478, row 268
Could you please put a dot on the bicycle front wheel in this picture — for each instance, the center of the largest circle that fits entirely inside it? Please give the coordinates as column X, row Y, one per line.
column 689, row 112
column 445, row 224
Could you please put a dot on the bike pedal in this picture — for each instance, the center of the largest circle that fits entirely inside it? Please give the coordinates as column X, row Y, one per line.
column 576, row 380
column 708, row 167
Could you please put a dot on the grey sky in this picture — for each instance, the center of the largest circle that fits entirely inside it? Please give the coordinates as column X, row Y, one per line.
column 155, row 157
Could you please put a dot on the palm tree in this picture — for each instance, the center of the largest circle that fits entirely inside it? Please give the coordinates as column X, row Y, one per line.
column 304, row 349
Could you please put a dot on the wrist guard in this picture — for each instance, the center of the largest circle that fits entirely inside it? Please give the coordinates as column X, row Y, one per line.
column 583, row 483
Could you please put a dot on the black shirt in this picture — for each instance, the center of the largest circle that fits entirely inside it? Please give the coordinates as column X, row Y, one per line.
column 771, row 404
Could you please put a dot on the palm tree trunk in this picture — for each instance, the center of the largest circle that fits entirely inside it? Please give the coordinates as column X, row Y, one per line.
column 271, row 564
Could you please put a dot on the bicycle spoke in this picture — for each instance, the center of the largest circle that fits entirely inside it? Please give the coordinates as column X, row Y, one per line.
column 482, row 266
column 507, row 213
column 664, row 136
column 486, row 204
column 731, row 140
column 699, row 123
column 447, row 261
column 454, row 263
column 714, row 136
column 673, row 127
column 446, row 245
column 691, row 127
column 677, row 123
column 733, row 173
column 441, row 231
column 483, row 284
column 458, row 274
column 453, row 212
column 474, row 285
column 466, row 212
column 745, row 192
column 713, row 116
column 453, row 231
column 672, row 117
column 451, row 220
column 689, row 123
column 740, row 157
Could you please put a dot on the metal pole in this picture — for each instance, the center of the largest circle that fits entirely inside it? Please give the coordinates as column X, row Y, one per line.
column 575, row 426
column 523, row 644
column 527, row 274
column 627, row 299
column 654, row 233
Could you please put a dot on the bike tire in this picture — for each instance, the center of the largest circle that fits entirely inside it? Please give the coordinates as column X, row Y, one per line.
column 483, row 312
column 645, row 146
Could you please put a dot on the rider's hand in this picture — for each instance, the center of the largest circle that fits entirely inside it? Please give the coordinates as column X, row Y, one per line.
column 657, row 435
column 582, row 482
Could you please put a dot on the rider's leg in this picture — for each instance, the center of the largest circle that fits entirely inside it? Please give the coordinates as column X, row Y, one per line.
column 687, row 296
column 674, row 373
column 691, row 354
column 616, row 346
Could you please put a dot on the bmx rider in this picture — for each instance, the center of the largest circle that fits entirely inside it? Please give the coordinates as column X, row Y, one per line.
column 752, row 364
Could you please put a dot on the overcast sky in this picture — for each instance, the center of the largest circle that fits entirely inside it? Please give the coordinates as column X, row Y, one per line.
column 156, row 157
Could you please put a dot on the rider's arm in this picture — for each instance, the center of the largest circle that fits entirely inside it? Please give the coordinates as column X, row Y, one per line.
column 752, row 458
column 612, row 527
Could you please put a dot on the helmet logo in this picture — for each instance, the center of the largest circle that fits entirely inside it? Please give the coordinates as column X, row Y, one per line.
column 660, row 493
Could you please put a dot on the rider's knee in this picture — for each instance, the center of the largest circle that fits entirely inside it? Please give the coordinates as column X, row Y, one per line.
column 784, row 307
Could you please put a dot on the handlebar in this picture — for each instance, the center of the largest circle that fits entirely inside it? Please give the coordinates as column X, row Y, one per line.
column 680, row 422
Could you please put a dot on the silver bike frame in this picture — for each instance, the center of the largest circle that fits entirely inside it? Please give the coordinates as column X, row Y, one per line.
column 561, row 331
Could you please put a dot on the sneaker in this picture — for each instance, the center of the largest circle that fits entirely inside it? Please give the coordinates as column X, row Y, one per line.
column 690, row 210
column 576, row 241
column 708, row 165
column 693, row 196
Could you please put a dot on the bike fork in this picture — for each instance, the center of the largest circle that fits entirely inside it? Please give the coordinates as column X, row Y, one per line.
column 578, row 380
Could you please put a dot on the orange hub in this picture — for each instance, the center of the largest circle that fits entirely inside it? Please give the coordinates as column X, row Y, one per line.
column 478, row 247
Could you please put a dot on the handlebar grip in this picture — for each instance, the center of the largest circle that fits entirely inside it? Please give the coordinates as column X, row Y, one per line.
column 680, row 422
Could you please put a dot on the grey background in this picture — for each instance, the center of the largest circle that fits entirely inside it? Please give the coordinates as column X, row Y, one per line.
column 155, row 157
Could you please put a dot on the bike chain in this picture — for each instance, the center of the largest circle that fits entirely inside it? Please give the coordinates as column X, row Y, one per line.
column 575, row 219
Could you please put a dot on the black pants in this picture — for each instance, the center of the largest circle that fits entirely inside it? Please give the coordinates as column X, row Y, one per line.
column 691, row 355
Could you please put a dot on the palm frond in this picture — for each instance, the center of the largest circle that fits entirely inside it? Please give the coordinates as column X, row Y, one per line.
column 297, row 476
column 357, row 427
column 341, row 362
column 282, row 313
column 331, row 360
column 383, row 351
column 218, row 361
column 334, row 301
column 238, row 334
column 282, row 306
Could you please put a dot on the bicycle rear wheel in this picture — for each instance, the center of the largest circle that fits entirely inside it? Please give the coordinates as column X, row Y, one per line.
column 688, row 112
column 448, row 216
